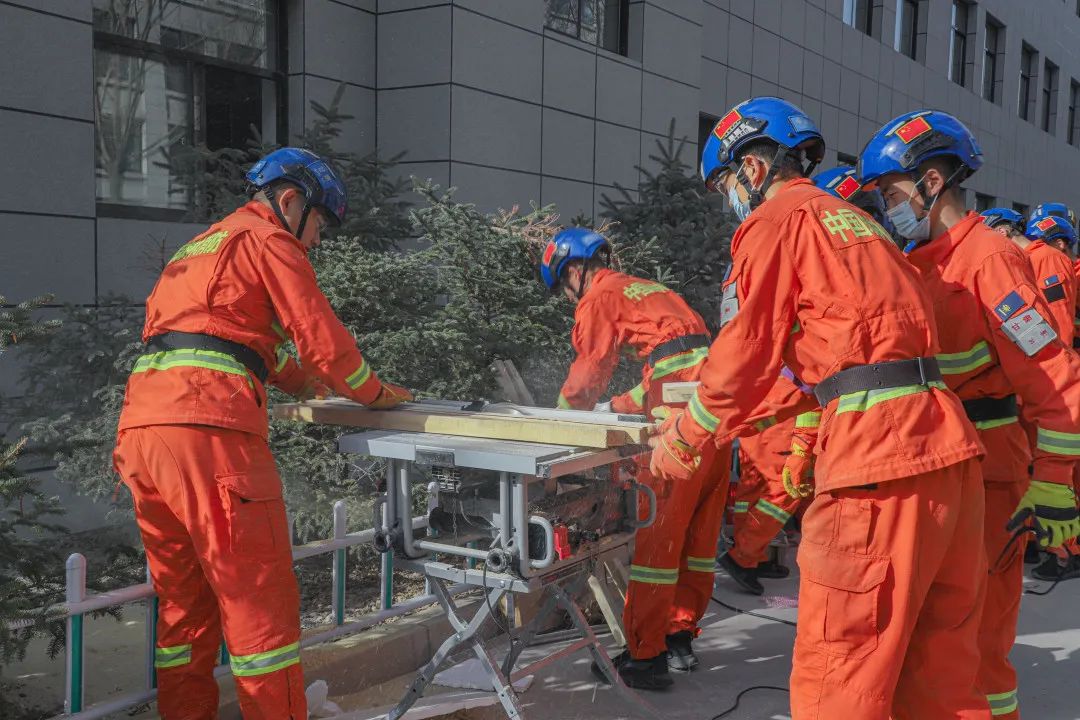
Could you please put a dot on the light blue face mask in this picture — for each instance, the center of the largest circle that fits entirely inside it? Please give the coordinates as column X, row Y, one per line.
column 741, row 209
column 912, row 229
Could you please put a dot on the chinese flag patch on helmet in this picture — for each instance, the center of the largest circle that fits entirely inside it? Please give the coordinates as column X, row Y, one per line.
column 726, row 123
column 849, row 187
column 549, row 252
column 1046, row 223
column 913, row 129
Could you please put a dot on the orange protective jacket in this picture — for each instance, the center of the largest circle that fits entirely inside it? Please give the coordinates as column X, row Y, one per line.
column 619, row 312
column 819, row 286
column 982, row 284
column 249, row 281
column 1054, row 276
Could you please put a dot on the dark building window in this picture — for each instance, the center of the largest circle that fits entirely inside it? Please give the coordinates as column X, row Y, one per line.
column 865, row 16
column 1026, row 99
column 959, row 71
column 1049, row 97
column 845, row 159
column 983, row 202
column 993, row 59
column 172, row 75
column 1020, row 208
column 705, row 125
column 911, row 28
column 1074, row 102
column 599, row 22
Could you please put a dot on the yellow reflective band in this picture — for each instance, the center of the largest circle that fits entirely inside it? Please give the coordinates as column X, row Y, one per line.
column 265, row 662
column 808, row 420
column 637, row 394
column 863, row 400
column 703, row 417
column 175, row 656
column 1003, row 703
column 206, row 359
column 1059, row 443
column 674, row 363
column 701, row 565
column 282, row 358
column 562, row 403
column 762, row 425
column 654, row 576
column 205, row 246
column 991, row 424
column 742, row 506
column 772, row 511
column 359, row 376
column 964, row 362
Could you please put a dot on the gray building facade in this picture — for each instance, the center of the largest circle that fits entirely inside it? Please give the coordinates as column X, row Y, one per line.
column 512, row 101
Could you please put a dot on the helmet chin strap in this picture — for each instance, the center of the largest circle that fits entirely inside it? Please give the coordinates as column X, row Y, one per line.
column 758, row 196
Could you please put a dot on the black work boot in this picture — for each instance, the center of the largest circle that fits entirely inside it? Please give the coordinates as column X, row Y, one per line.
column 680, row 651
column 746, row 578
column 772, row 570
column 650, row 674
column 1032, row 554
column 1051, row 569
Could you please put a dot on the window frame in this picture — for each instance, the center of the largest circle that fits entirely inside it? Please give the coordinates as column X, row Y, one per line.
column 105, row 41
column 993, row 60
column 960, row 33
column 913, row 47
column 982, row 199
column 1072, row 131
column 623, row 49
column 1049, row 95
column 1025, row 100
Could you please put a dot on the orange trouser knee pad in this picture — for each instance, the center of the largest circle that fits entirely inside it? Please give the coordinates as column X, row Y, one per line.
column 671, row 577
column 209, row 508
column 891, row 592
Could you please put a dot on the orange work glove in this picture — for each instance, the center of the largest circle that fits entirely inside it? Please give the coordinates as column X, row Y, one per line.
column 390, row 396
column 672, row 457
column 798, row 472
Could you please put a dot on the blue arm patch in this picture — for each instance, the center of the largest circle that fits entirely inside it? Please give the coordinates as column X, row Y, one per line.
column 1009, row 306
column 1052, row 280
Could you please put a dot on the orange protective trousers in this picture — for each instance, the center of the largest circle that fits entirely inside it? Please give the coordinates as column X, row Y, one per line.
column 762, row 506
column 891, row 595
column 672, row 573
column 209, row 507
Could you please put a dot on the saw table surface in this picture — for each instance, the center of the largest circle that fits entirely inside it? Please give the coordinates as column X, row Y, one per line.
column 524, row 458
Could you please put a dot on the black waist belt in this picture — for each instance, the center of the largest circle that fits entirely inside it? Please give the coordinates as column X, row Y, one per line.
column 197, row 341
column 983, row 409
column 879, row 376
column 676, row 346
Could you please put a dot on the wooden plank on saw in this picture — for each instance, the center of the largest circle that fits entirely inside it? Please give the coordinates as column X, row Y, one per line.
column 585, row 429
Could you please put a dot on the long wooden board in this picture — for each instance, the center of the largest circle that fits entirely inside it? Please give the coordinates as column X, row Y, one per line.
column 594, row 432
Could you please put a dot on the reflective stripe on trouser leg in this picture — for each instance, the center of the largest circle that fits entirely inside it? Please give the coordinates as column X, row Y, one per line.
column 265, row 662
column 701, row 564
column 175, row 656
column 654, row 576
column 1003, row 703
column 766, row 518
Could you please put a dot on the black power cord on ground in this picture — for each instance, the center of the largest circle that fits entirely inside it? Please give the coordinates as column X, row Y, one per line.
column 752, row 688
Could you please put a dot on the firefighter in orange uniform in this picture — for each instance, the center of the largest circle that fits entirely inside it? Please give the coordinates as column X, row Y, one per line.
column 998, row 344
column 192, row 443
column 671, row 577
column 892, row 577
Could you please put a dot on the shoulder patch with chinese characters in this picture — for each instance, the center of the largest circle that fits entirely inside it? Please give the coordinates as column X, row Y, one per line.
column 849, row 226
column 200, row 246
column 637, row 290
column 1026, row 328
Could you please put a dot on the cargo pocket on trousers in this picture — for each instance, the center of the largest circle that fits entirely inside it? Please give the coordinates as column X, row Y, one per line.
column 846, row 589
column 254, row 513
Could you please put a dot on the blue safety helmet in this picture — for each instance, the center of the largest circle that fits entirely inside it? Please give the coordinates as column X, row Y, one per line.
column 999, row 216
column 1056, row 209
column 760, row 118
column 842, row 182
column 574, row 243
column 1051, row 227
column 915, row 137
column 322, row 187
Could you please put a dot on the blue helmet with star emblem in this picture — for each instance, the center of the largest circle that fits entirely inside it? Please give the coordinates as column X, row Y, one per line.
column 908, row 141
column 1051, row 228
column 842, row 182
column 1057, row 209
column 574, row 243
